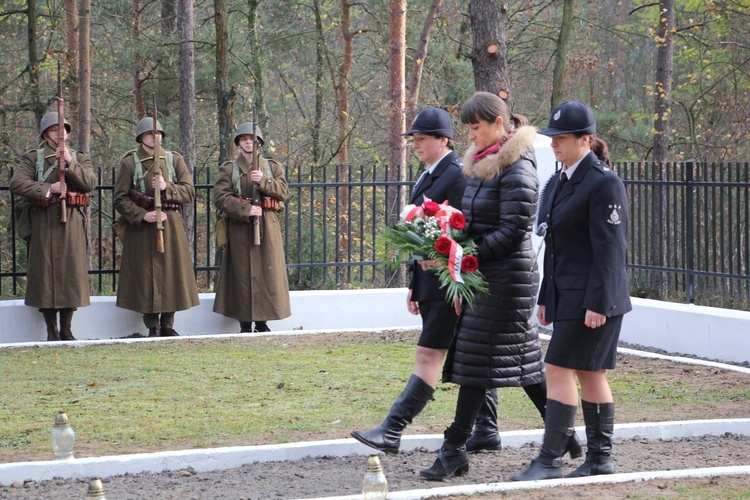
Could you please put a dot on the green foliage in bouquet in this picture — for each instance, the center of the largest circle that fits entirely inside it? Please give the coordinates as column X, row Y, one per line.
column 432, row 232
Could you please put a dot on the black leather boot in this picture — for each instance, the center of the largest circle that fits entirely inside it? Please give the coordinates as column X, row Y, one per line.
column 387, row 436
column 154, row 331
column 452, row 460
column 486, row 435
column 558, row 428
column 261, row 326
column 53, row 334
column 168, row 331
column 600, row 425
column 246, row 326
column 66, row 334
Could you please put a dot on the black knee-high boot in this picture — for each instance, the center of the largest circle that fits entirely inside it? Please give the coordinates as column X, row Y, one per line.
column 486, row 435
column 600, row 425
column 557, row 431
column 537, row 393
column 387, row 436
column 50, row 319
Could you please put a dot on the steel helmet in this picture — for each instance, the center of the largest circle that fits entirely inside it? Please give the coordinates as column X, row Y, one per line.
column 571, row 117
column 48, row 120
column 432, row 121
column 247, row 129
column 146, row 125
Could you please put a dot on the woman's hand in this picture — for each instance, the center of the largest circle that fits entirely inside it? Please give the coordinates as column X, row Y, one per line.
column 541, row 315
column 412, row 305
column 594, row 320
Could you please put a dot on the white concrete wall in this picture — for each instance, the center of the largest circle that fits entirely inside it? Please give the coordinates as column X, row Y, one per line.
column 708, row 332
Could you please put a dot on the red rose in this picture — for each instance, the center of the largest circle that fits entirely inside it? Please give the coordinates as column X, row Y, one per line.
column 457, row 221
column 443, row 245
column 469, row 264
column 430, row 208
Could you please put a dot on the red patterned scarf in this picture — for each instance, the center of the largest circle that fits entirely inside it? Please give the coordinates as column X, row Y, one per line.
column 492, row 149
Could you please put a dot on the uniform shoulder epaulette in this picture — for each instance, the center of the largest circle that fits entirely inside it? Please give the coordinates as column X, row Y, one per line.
column 602, row 167
column 131, row 152
column 175, row 153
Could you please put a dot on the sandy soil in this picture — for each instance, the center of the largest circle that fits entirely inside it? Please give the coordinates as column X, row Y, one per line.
column 311, row 478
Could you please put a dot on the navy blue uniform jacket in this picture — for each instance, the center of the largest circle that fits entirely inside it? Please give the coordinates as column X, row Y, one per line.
column 445, row 183
column 586, row 244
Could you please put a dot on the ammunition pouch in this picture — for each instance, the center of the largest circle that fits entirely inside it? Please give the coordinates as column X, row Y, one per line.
column 73, row 199
column 147, row 202
column 271, row 204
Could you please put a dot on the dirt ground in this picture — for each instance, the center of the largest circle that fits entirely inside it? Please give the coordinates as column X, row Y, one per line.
column 334, row 476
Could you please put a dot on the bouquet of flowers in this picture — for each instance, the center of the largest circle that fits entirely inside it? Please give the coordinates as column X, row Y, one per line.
column 435, row 232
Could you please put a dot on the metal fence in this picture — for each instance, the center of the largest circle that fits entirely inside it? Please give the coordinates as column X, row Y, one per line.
column 689, row 231
column 332, row 226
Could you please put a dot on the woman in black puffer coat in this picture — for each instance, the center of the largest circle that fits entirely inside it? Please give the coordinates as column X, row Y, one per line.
column 496, row 343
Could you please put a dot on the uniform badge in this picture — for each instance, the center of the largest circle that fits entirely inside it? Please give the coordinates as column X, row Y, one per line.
column 557, row 115
column 614, row 217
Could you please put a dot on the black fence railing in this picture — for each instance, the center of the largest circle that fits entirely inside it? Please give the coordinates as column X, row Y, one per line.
column 689, row 231
column 332, row 226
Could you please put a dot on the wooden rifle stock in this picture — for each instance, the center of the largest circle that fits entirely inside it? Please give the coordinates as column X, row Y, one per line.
column 157, row 183
column 254, row 191
column 61, row 147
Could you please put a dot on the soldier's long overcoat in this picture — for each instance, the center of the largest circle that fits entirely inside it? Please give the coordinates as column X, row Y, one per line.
column 253, row 284
column 152, row 282
column 57, row 275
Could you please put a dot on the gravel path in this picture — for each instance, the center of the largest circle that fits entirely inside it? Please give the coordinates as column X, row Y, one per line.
column 321, row 477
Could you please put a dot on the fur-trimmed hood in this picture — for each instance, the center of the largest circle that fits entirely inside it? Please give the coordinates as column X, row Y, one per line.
column 491, row 166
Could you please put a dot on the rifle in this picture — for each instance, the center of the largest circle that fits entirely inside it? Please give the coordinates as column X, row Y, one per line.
column 157, row 183
column 254, row 188
column 61, row 147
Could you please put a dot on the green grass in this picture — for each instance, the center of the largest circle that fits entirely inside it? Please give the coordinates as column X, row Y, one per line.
column 149, row 396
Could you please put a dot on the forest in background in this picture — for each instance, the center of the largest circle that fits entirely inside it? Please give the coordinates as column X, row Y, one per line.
column 335, row 82
column 610, row 64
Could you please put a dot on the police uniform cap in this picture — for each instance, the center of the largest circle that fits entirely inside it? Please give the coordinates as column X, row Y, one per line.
column 247, row 129
column 432, row 121
column 571, row 117
column 48, row 120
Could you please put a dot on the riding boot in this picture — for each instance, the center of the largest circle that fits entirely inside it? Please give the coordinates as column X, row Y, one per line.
column 387, row 436
column 246, row 326
column 165, row 323
column 558, row 428
column 452, row 460
column 154, row 331
column 486, row 435
column 261, row 326
column 66, row 320
column 600, row 425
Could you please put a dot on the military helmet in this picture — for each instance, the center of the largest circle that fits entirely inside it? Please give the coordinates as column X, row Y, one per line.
column 146, row 125
column 48, row 120
column 569, row 118
column 247, row 129
column 432, row 121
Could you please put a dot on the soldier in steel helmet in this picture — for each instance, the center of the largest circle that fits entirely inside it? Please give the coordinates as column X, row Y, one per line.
column 432, row 141
column 253, row 285
column 57, row 278
column 152, row 283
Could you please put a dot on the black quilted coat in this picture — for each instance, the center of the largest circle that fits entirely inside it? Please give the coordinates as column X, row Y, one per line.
column 497, row 344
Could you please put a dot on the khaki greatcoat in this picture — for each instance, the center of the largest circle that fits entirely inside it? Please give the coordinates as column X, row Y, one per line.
column 253, row 283
column 152, row 282
column 57, row 275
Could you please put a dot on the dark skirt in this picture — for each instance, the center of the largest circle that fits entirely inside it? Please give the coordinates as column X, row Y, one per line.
column 438, row 324
column 578, row 347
